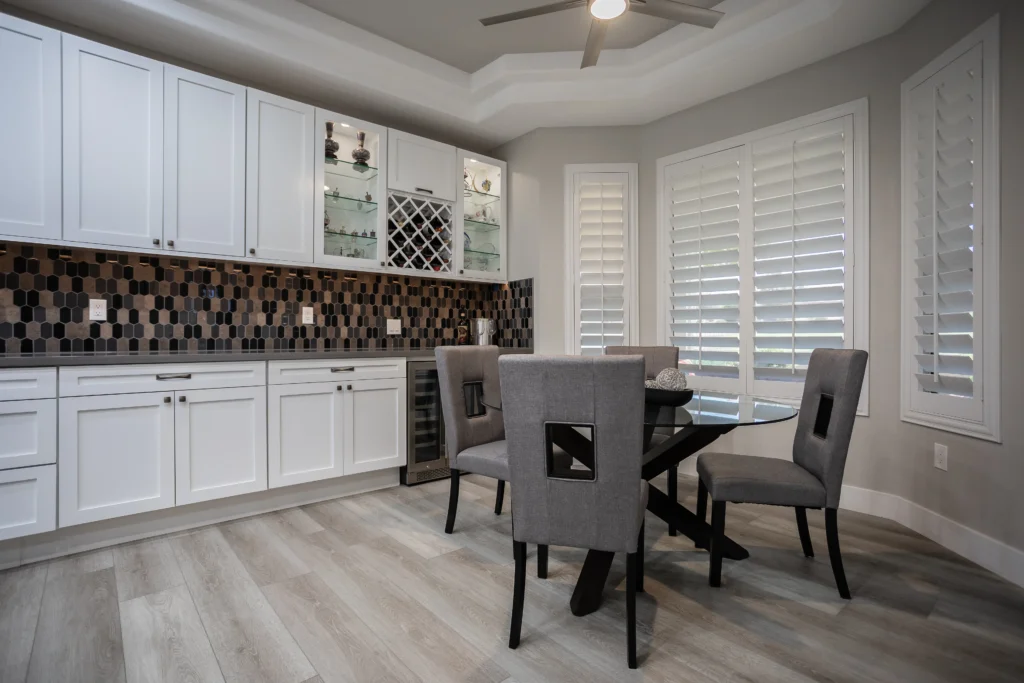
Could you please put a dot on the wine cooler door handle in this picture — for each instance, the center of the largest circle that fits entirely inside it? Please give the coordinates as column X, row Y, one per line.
column 425, row 190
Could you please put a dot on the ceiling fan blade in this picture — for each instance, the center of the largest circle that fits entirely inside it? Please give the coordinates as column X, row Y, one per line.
column 533, row 12
column 595, row 41
column 677, row 11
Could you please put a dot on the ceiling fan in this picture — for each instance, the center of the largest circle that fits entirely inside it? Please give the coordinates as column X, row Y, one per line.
column 604, row 11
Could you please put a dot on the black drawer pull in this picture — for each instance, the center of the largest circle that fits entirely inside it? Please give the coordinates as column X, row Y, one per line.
column 349, row 369
column 164, row 378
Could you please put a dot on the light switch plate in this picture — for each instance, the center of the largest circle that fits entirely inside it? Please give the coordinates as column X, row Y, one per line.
column 394, row 326
column 307, row 315
column 941, row 456
column 97, row 309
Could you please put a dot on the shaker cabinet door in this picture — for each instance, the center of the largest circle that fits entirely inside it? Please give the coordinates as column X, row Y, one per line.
column 280, row 146
column 29, row 433
column 421, row 166
column 113, row 146
column 375, row 425
column 30, row 201
column 28, row 501
column 204, row 164
column 116, row 456
column 306, row 431
column 220, row 443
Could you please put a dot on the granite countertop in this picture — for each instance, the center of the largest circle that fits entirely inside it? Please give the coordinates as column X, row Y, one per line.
column 33, row 360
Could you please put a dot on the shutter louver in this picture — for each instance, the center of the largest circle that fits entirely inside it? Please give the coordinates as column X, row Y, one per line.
column 704, row 268
column 802, row 196
column 601, row 259
column 946, row 133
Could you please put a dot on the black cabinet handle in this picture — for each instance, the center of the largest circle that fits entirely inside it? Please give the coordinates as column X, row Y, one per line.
column 423, row 189
column 349, row 387
column 340, row 388
column 252, row 252
column 164, row 378
column 156, row 243
column 170, row 243
column 181, row 399
column 167, row 399
column 348, row 369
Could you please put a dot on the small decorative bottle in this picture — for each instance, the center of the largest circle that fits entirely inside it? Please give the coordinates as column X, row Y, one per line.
column 462, row 331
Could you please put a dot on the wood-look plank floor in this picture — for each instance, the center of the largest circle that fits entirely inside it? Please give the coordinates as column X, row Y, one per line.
column 369, row 588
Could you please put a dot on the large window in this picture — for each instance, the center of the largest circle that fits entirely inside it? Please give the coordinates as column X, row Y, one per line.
column 951, row 239
column 763, row 252
column 600, row 253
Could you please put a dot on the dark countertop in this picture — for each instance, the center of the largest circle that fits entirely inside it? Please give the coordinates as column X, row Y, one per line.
column 48, row 360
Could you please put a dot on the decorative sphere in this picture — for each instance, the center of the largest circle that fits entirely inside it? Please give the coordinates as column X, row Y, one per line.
column 671, row 379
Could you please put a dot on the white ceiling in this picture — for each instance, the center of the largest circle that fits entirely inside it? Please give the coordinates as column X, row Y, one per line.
column 401, row 64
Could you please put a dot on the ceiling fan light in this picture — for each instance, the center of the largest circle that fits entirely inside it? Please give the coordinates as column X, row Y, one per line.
column 607, row 9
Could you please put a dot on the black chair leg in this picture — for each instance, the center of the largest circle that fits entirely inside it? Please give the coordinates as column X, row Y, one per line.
column 453, row 502
column 805, row 535
column 702, row 505
column 518, row 594
column 673, row 482
column 542, row 562
column 632, row 572
column 832, row 534
column 640, row 561
column 499, row 498
column 717, row 539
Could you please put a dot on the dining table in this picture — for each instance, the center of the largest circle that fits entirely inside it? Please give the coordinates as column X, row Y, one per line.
column 671, row 435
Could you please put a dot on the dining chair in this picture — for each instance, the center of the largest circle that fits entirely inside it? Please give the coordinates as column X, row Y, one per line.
column 596, row 502
column 656, row 359
column 813, row 479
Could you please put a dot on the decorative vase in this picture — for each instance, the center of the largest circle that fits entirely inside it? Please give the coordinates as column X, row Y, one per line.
column 486, row 185
column 360, row 153
column 330, row 146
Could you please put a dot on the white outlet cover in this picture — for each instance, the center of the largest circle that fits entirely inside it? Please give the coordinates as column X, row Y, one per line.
column 97, row 309
column 394, row 326
column 941, row 456
column 307, row 315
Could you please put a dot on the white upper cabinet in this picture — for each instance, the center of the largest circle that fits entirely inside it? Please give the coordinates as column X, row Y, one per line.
column 204, row 164
column 113, row 146
column 421, row 166
column 480, row 217
column 30, row 203
column 280, row 149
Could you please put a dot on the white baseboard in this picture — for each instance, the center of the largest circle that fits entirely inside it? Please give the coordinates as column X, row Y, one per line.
column 84, row 537
column 994, row 555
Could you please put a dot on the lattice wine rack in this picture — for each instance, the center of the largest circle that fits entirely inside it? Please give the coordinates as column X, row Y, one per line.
column 419, row 233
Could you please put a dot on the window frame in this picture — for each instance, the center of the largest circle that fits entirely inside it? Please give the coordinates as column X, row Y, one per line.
column 572, row 275
column 988, row 428
column 859, row 237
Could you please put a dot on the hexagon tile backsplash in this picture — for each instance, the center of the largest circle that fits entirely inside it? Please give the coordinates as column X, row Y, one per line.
column 158, row 303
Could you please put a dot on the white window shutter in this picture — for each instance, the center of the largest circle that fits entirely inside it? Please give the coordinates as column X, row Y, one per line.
column 802, row 256
column 704, row 198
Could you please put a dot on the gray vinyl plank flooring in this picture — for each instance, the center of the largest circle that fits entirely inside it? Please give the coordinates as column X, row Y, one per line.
column 370, row 588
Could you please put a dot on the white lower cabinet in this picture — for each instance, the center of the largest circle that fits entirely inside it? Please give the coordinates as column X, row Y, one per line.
column 27, row 434
column 220, row 443
column 28, row 501
column 306, row 432
column 116, row 456
column 375, row 425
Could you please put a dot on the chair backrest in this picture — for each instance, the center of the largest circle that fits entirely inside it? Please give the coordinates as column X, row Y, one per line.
column 656, row 358
column 602, row 395
column 458, row 366
column 827, row 413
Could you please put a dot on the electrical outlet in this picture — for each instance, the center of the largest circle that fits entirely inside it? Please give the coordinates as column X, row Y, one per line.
column 97, row 309
column 307, row 315
column 941, row 456
column 394, row 326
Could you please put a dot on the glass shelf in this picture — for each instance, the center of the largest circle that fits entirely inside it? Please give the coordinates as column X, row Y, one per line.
column 486, row 254
column 343, row 203
column 480, row 198
column 350, row 238
column 348, row 169
column 477, row 226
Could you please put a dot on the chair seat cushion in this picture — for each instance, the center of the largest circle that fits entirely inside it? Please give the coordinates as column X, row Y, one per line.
column 487, row 459
column 749, row 479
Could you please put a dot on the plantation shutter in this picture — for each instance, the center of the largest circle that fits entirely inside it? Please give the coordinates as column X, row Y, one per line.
column 704, row 197
column 945, row 135
column 803, row 194
column 601, row 203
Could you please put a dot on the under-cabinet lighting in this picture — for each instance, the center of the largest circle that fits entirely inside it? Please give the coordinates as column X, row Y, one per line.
column 345, row 125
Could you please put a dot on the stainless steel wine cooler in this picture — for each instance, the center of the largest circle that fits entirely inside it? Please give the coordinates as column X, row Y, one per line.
column 427, row 459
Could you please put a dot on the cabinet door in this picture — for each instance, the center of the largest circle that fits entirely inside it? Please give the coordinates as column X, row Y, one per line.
column 29, row 430
column 116, row 456
column 375, row 425
column 280, row 146
column 421, row 166
column 204, row 164
column 113, row 146
column 480, row 216
column 306, row 433
column 30, row 202
column 220, row 443
column 28, row 501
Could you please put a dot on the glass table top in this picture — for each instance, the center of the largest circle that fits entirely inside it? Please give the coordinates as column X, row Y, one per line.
column 717, row 408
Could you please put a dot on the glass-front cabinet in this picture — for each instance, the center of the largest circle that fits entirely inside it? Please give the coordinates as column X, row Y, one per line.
column 351, row 173
column 480, row 215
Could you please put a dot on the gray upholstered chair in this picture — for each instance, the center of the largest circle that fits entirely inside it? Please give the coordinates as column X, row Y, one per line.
column 656, row 359
column 597, row 503
column 814, row 479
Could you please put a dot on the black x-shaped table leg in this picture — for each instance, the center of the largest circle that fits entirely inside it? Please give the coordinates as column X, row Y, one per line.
column 586, row 597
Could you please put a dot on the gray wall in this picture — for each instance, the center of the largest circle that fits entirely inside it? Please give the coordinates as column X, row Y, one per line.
column 982, row 487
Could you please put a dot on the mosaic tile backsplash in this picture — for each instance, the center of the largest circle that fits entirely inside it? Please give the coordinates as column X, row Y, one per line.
column 160, row 303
